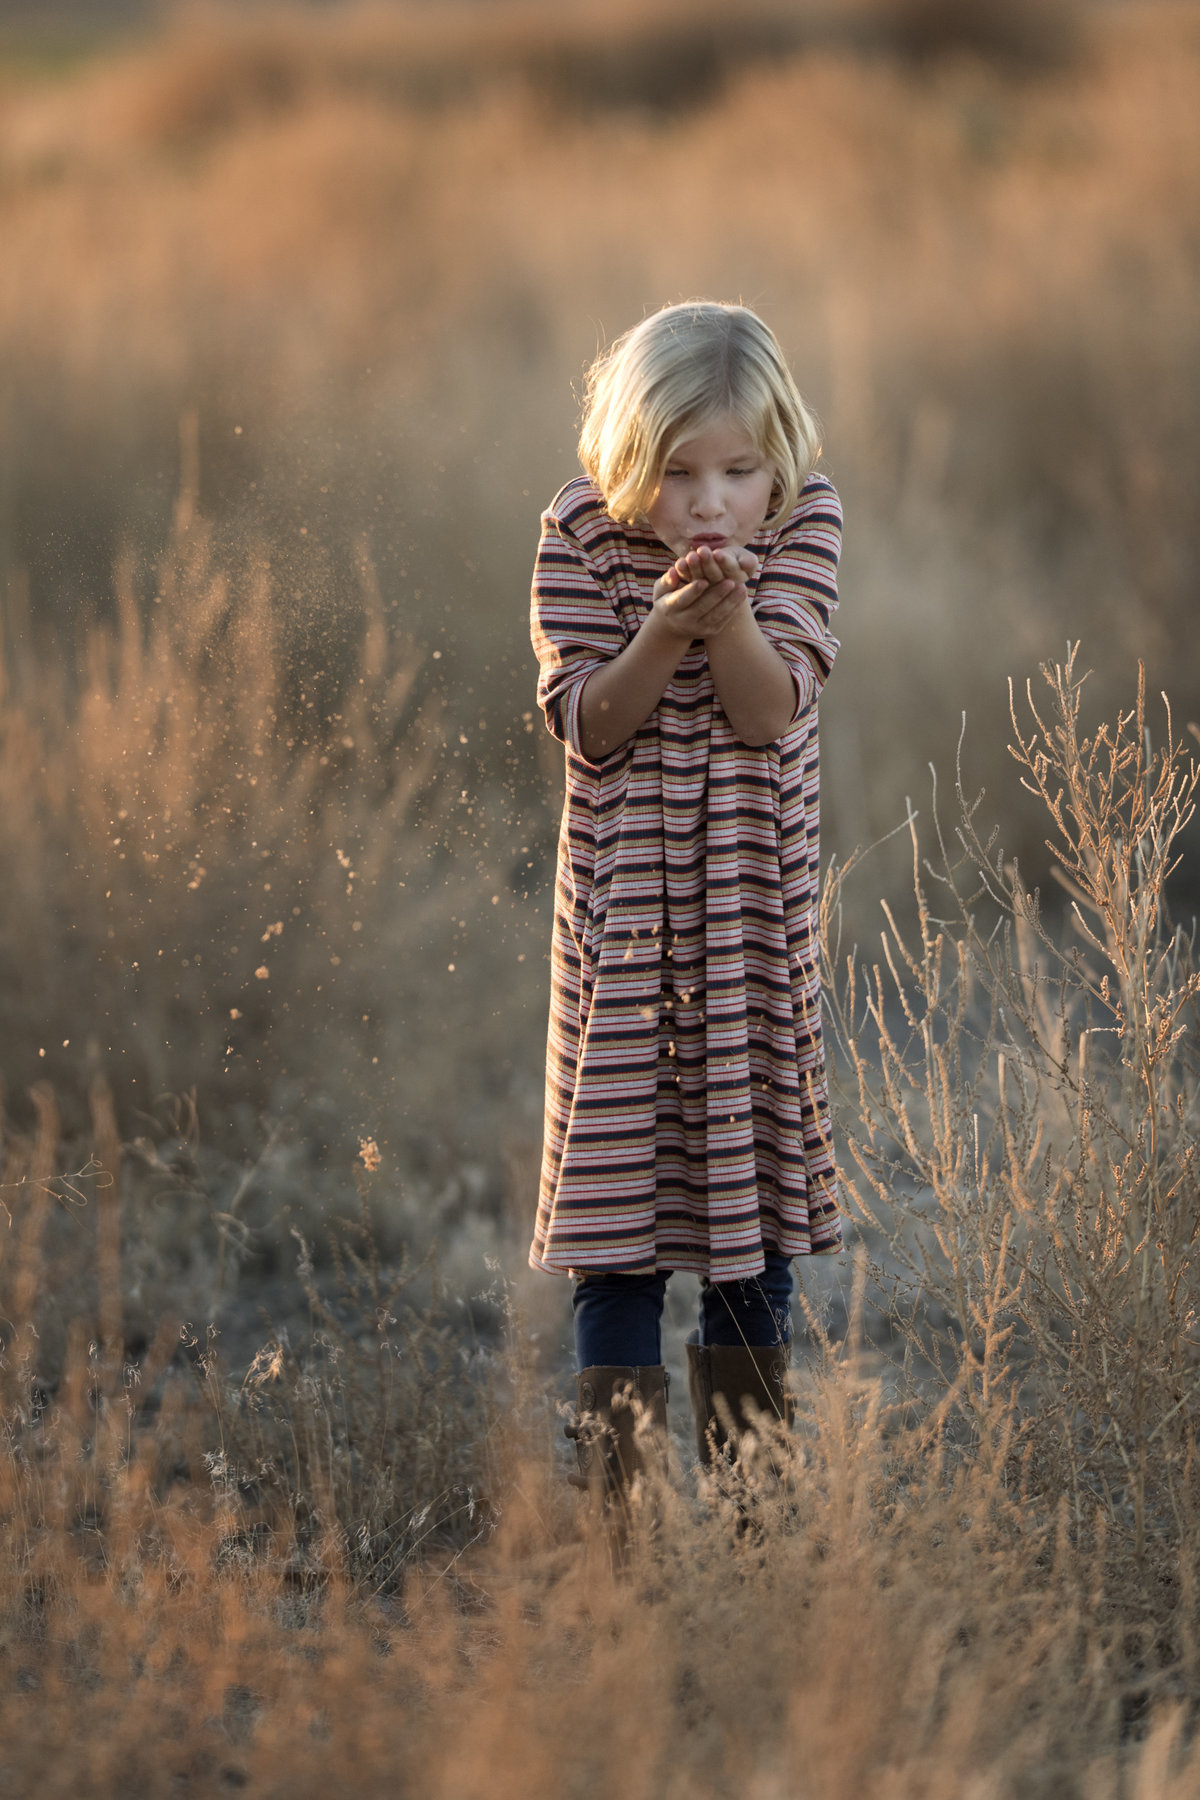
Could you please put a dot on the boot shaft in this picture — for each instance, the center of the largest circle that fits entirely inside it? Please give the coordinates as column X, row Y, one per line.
column 733, row 1388
column 620, row 1427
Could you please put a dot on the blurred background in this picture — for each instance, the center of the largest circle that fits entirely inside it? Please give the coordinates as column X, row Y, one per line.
column 295, row 303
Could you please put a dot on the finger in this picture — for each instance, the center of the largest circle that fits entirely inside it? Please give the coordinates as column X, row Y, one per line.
column 727, row 606
column 712, row 596
column 738, row 563
column 684, row 598
column 713, row 625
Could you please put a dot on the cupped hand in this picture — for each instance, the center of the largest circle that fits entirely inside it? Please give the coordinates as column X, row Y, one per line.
column 704, row 590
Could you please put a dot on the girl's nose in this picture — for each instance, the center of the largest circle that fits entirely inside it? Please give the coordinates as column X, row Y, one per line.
column 706, row 501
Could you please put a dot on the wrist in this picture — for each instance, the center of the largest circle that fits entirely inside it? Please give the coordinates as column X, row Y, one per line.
column 661, row 634
column 738, row 627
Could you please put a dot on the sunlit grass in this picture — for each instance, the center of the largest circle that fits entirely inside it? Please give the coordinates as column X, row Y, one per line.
column 975, row 1559
column 378, row 308
column 289, row 346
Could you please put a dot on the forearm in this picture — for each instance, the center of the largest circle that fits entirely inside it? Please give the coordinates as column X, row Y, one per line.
column 620, row 696
column 753, row 683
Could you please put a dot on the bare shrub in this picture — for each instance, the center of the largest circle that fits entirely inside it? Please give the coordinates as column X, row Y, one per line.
column 1024, row 1109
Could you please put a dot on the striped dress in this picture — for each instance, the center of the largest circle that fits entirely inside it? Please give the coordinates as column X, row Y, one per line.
column 687, row 1114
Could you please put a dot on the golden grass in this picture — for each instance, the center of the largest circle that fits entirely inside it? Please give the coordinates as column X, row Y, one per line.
column 982, row 282
column 291, row 313
column 369, row 312
column 972, row 1568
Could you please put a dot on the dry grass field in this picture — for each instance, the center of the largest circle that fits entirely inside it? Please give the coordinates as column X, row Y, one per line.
column 292, row 305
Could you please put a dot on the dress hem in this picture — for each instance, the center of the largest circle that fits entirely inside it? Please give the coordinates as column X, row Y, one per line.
column 742, row 1270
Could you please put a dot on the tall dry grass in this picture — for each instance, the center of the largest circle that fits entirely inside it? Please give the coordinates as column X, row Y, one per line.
column 984, row 281
column 238, row 885
column 881, row 1633
column 373, row 308
column 356, row 1563
column 264, row 682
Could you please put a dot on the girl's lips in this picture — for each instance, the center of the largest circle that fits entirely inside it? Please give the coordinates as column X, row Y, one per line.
column 711, row 540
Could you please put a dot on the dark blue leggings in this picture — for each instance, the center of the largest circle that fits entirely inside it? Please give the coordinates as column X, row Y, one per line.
column 618, row 1318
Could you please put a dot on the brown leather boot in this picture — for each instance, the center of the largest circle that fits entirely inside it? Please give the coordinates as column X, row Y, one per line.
column 620, row 1432
column 732, row 1387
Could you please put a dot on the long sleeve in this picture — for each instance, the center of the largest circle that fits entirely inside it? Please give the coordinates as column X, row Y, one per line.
column 574, row 625
column 796, row 592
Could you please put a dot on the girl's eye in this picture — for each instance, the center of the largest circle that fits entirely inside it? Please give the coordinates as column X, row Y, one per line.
column 743, row 471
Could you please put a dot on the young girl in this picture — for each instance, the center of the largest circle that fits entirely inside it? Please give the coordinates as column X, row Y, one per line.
column 681, row 607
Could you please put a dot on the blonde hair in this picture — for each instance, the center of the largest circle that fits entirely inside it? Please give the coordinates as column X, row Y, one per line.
column 668, row 379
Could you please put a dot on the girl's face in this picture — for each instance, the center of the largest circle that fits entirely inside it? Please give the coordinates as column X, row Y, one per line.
column 715, row 490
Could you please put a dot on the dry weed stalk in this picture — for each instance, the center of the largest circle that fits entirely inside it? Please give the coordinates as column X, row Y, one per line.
column 1024, row 1112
